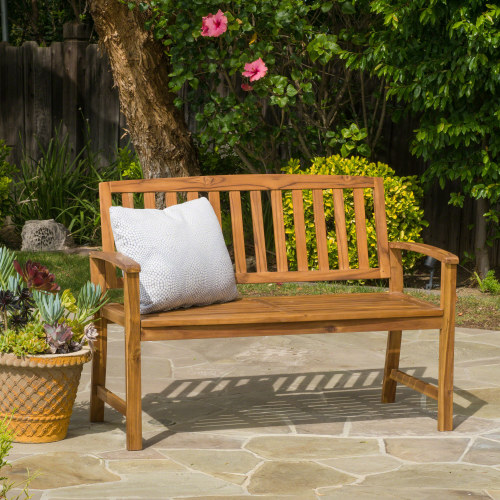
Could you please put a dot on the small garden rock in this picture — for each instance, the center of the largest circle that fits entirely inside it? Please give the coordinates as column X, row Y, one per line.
column 44, row 235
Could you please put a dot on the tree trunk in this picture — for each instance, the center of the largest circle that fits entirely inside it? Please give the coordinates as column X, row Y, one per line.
column 481, row 249
column 140, row 71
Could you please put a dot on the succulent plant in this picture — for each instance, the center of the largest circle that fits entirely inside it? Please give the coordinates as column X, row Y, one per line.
column 13, row 283
column 36, row 276
column 16, row 305
column 49, row 306
column 35, row 318
column 90, row 335
column 7, row 300
column 6, row 265
column 59, row 338
column 7, row 304
column 89, row 301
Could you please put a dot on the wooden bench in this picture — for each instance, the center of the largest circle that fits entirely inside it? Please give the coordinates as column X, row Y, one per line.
column 391, row 311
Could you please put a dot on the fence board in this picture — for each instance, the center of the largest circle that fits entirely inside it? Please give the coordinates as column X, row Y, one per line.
column 102, row 105
column 57, row 62
column 12, row 100
column 37, row 97
column 73, row 92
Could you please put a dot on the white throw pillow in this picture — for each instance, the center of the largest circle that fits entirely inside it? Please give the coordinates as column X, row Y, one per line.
column 184, row 260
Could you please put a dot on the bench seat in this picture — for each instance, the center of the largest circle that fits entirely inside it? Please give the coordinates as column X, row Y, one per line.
column 286, row 314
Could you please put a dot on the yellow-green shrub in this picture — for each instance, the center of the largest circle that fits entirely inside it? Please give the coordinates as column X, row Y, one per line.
column 402, row 196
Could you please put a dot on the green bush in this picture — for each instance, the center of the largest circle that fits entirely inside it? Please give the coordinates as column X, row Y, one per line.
column 6, row 171
column 489, row 284
column 402, row 196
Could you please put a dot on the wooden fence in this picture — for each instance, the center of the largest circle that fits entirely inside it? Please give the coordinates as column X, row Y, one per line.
column 70, row 83
column 64, row 85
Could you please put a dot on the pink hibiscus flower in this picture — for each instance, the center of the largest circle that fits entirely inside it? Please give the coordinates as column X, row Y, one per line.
column 246, row 87
column 214, row 25
column 255, row 70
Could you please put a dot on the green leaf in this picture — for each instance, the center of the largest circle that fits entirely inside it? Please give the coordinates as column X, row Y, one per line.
column 348, row 8
column 326, row 6
column 291, row 91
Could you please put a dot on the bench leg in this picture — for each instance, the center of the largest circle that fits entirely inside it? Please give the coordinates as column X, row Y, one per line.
column 98, row 376
column 133, row 364
column 445, row 380
column 391, row 363
column 447, row 347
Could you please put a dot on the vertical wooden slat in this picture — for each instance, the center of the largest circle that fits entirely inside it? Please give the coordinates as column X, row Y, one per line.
column 105, row 203
column 300, row 230
column 381, row 227
column 279, row 230
column 214, row 199
column 258, row 231
column 396, row 283
column 128, row 200
column 238, row 236
column 360, row 217
column 171, row 198
column 108, row 244
column 340, row 228
column 319, row 222
column 149, row 200
column 192, row 195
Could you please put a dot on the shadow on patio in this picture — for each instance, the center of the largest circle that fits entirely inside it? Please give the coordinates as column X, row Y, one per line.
column 208, row 404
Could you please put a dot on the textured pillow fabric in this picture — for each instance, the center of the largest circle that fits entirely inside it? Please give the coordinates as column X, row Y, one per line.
column 184, row 260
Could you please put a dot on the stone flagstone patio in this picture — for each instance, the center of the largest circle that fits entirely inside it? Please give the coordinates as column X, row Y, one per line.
column 292, row 417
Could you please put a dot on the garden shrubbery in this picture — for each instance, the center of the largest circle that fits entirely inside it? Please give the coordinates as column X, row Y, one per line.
column 6, row 172
column 402, row 198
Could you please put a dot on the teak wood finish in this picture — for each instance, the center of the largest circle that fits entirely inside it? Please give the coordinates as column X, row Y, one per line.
column 393, row 311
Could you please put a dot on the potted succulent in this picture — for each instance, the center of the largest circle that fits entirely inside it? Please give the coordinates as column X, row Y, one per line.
column 45, row 338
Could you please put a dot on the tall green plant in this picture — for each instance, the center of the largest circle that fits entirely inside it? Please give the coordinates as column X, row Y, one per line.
column 47, row 185
column 64, row 187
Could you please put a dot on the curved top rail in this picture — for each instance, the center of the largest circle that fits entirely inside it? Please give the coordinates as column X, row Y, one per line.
column 246, row 182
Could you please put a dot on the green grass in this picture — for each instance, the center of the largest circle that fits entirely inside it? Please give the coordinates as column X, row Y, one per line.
column 474, row 311
column 71, row 271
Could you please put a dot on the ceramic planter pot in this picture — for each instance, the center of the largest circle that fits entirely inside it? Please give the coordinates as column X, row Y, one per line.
column 38, row 392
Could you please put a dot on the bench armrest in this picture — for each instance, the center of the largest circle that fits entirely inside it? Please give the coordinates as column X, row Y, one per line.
column 449, row 263
column 431, row 251
column 126, row 264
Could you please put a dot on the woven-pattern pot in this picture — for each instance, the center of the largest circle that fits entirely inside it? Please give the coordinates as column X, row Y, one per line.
column 38, row 393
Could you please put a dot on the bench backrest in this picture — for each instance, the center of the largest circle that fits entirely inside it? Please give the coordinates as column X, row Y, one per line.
column 330, row 188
